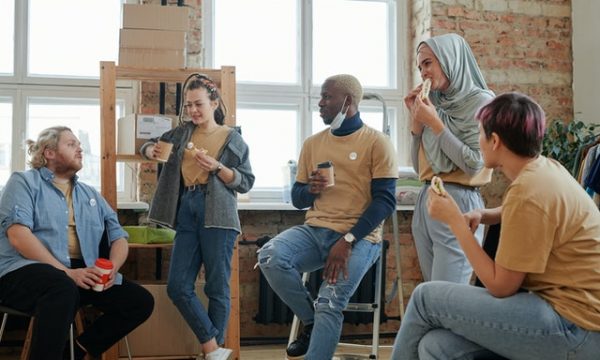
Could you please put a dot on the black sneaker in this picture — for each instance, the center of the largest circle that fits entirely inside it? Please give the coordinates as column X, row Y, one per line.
column 299, row 347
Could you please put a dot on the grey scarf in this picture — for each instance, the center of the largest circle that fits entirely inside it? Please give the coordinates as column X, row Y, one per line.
column 457, row 106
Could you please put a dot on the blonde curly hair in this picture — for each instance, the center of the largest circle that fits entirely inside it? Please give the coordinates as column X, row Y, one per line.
column 48, row 139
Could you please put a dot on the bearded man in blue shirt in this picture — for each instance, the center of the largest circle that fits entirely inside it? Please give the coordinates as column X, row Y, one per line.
column 52, row 227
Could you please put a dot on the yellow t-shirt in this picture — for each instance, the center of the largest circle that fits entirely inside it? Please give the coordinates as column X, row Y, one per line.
column 213, row 142
column 551, row 231
column 74, row 246
column 357, row 158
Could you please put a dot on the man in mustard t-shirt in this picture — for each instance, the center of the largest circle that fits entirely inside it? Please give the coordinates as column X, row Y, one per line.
column 343, row 227
column 549, row 246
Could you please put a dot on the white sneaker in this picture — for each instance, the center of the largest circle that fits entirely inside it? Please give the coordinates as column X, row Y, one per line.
column 219, row 354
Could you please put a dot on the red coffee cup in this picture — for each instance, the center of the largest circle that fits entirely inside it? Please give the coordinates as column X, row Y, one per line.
column 105, row 266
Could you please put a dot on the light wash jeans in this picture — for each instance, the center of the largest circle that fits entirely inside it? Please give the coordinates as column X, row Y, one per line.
column 451, row 321
column 440, row 255
column 304, row 249
column 195, row 246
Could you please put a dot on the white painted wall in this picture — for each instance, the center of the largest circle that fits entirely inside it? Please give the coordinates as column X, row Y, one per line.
column 586, row 60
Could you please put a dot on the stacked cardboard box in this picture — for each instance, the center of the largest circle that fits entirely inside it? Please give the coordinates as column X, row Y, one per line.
column 134, row 130
column 153, row 36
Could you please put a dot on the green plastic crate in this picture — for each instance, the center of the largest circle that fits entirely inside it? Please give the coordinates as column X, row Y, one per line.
column 148, row 235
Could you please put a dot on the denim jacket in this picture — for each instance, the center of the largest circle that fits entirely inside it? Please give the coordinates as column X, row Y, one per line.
column 221, row 199
column 30, row 199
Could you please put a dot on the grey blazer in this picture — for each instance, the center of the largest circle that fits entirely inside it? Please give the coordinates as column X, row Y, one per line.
column 221, row 199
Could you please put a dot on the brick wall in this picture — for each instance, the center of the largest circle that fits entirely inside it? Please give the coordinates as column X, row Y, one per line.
column 520, row 45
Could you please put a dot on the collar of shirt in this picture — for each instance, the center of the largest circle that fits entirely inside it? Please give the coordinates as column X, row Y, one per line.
column 48, row 175
column 349, row 125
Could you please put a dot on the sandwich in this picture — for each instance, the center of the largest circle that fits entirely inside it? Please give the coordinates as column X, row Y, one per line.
column 190, row 146
column 425, row 89
column 438, row 186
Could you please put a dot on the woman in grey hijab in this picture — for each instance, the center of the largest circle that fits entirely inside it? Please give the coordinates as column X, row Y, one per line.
column 445, row 144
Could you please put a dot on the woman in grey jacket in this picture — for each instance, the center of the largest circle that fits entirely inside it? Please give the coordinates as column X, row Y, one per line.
column 196, row 195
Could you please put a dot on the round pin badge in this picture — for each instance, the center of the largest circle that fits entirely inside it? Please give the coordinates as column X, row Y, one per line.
column 353, row 156
column 92, row 202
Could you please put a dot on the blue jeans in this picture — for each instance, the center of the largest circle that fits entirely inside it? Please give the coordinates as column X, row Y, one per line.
column 456, row 321
column 195, row 246
column 305, row 249
column 440, row 255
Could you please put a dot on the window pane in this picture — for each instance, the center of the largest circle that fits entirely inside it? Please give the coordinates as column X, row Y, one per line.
column 259, row 37
column 71, row 37
column 361, row 49
column 7, row 43
column 5, row 139
column 82, row 117
column 271, row 136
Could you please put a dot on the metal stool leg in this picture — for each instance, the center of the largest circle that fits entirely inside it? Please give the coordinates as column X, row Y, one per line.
column 296, row 321
column 127, row 347
column 4, row 318
column 72, row 343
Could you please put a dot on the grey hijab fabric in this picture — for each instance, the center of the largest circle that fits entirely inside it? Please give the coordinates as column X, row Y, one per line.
column 457, row 106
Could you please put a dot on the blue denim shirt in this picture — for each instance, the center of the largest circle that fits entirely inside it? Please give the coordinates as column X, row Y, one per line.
column 31, row 199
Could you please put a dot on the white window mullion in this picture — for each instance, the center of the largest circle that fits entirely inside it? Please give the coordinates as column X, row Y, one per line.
column 306, row 66
column 21, row 29
column 208, row 33
column 19, row 127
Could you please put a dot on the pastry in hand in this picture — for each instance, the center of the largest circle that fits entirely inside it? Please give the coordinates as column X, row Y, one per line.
column 438, row 186
column 190, row 146
column 425, row 89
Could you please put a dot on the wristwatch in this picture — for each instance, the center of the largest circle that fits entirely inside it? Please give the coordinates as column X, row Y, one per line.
column 349, row 238
column 219, row 168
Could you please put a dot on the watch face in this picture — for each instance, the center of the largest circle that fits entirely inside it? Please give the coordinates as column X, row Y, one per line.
column 349, row 238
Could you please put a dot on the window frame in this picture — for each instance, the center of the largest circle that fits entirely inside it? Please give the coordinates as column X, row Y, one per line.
column 307, row 95
column 20, row 87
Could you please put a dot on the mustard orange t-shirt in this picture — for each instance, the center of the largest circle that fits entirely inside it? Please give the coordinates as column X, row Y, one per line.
column 211, row 141
column 73, row 239
column 551, row 231
column 357, row 159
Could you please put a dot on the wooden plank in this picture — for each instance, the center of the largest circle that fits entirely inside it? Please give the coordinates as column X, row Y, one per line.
column 164, row 75
column 232, row 335
column 150, row 246
column 228, row 93
column 108, row 161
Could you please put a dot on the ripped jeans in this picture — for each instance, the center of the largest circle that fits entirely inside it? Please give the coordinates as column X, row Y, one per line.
column 305, row 248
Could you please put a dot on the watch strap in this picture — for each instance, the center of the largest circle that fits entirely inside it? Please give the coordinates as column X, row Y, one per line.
column 219, row 168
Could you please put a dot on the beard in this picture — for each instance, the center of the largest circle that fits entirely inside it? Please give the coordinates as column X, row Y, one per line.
column 326, row 119
column 67, row 165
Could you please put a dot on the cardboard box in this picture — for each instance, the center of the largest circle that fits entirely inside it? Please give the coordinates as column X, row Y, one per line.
column 134, row 130
column 156, row 17
column 152, row 39
column 152, row 58
column 165, row 333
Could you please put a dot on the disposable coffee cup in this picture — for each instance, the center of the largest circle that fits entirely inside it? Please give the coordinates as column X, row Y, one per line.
column 326, row 169
column 105, row 266
column 165, row 150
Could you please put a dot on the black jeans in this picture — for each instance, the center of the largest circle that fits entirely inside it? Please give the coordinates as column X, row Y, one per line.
column 54, row 299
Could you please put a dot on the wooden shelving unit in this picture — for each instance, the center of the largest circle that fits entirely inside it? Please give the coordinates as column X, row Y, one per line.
column 109, row 74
